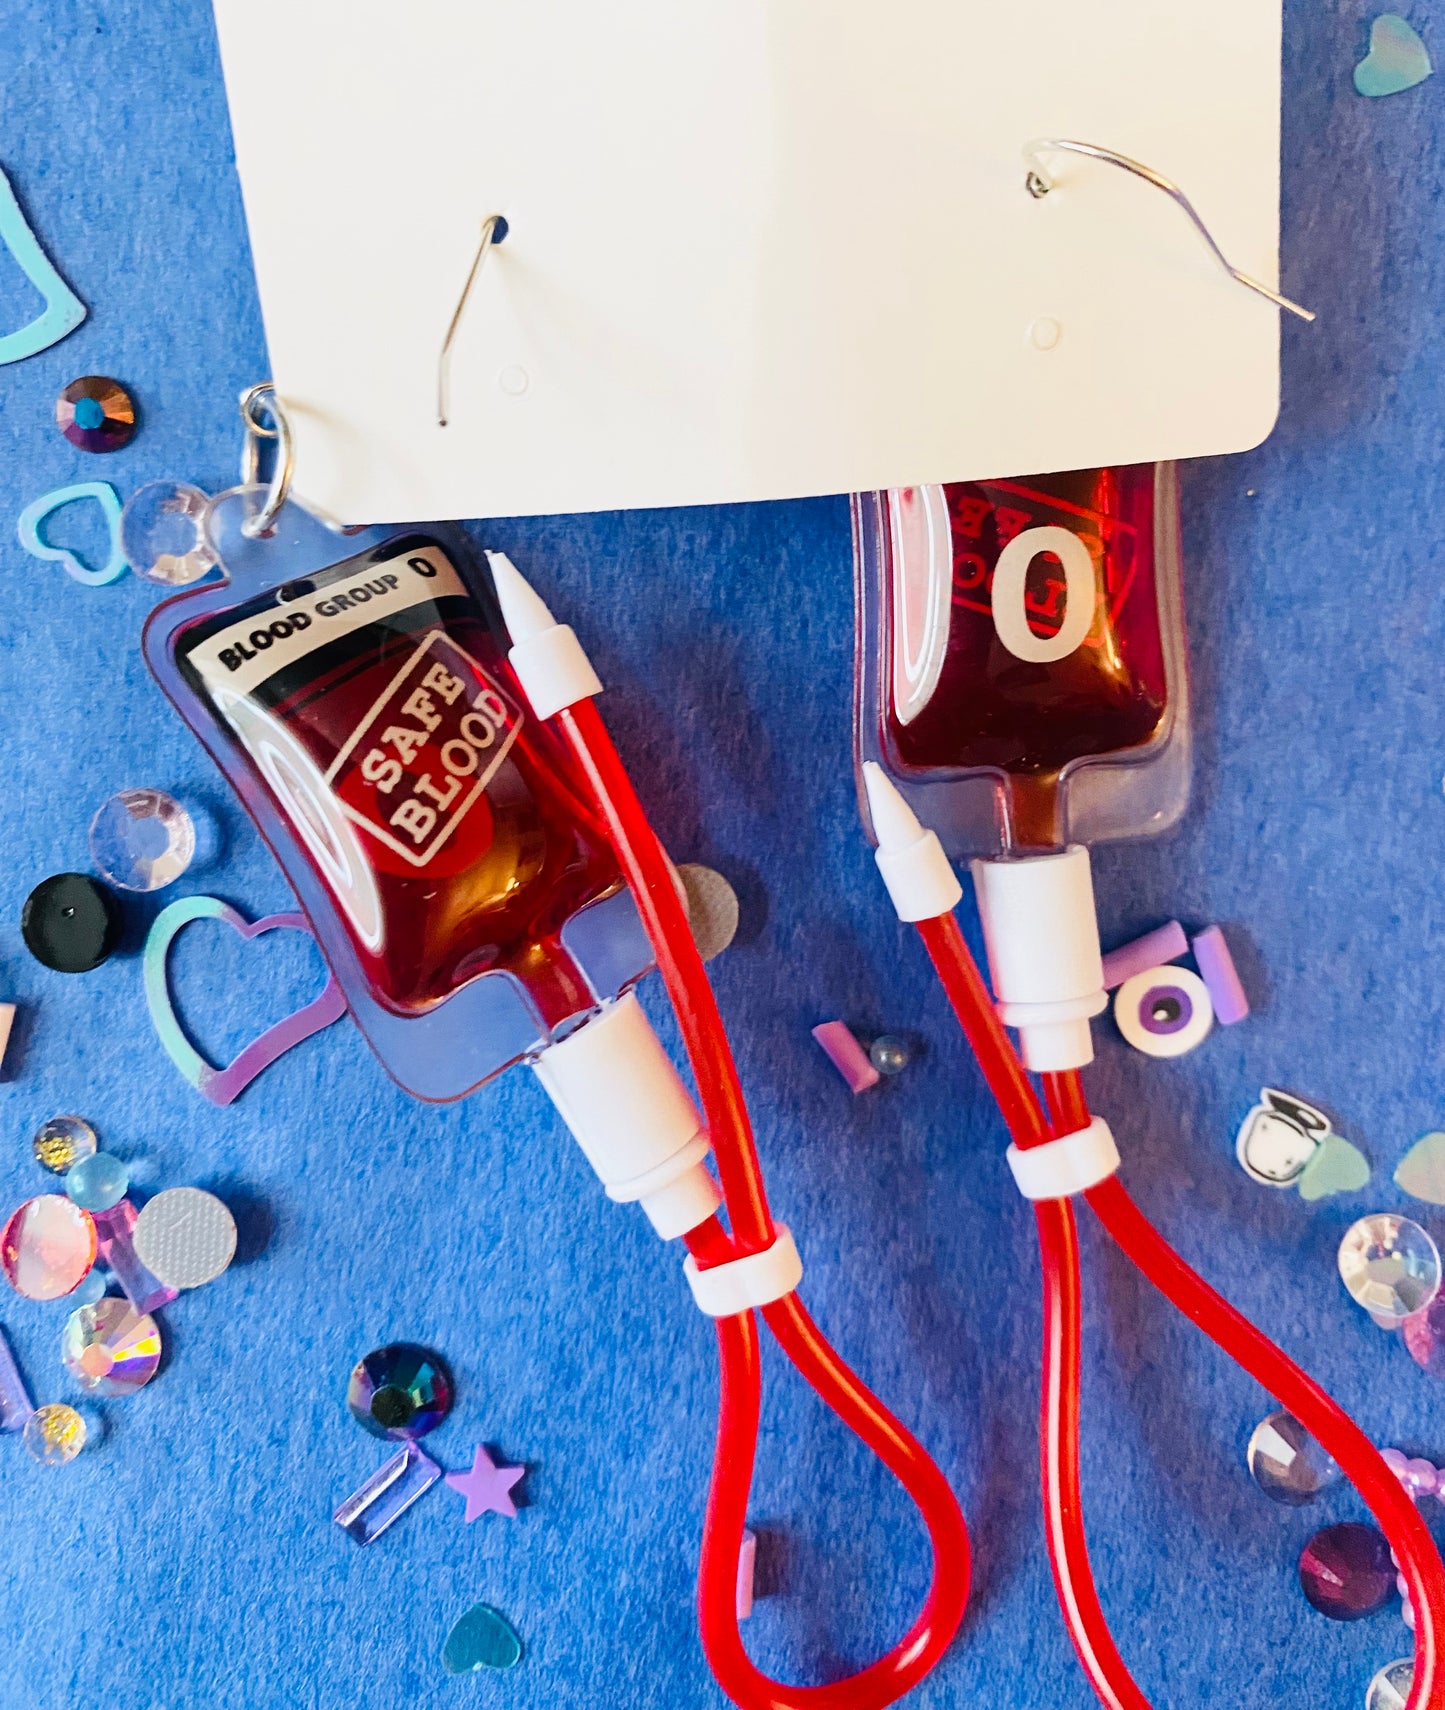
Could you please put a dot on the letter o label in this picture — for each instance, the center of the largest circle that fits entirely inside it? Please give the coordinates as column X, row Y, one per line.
column 1010, row 579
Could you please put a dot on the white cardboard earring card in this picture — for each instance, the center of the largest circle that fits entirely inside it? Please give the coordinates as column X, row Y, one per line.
column 758, row 248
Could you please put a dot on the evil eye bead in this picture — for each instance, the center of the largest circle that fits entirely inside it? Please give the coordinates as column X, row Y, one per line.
column 1164, row 1012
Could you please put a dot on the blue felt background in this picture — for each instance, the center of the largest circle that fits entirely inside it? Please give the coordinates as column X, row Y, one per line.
column 191, row 1560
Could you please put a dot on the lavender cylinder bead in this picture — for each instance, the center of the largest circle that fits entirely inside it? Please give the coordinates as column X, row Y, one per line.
column 846, row 1055
column 1217, row 970
column 1164, row 944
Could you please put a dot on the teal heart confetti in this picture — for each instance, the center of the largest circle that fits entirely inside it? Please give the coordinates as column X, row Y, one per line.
column 1397, row 58
column 1421, row 1172
column 482, row 1638
column 29, row 527
column 1337, row 1167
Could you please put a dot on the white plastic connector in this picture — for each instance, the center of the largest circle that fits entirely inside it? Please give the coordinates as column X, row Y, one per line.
column 549, row 660
column 920, row 879
column 616, row 1089
column 1043, row 953
column 742, row 1285
column 1071, row 1164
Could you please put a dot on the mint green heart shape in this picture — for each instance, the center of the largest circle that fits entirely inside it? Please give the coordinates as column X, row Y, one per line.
column 35, row 513
column 1397, row 58
column 63, row 311
column 1337, row 1167
column 1421, row 1172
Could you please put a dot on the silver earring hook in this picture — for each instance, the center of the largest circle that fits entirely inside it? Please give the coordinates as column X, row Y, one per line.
column 1038, row 184
column 284, row 466
column 494, row 229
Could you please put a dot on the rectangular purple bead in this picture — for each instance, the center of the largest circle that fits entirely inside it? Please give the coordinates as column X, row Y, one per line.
column 1217, row 970
column 15, row 1403
column 387, row 1494
column 1164, row 944
column 113, row 1229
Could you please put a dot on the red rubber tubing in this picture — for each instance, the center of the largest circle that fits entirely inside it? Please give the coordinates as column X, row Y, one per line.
column 649, row 874
column 1231, row 1332
column 1061, row 1358
column 647, row 871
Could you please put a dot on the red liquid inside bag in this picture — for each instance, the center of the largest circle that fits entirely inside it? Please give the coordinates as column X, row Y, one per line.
column 1026, row 633
column 375, row 701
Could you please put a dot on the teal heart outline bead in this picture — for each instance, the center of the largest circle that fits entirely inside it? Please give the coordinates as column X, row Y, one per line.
column 35, row 513
column 1397, row 59
column 63, row 311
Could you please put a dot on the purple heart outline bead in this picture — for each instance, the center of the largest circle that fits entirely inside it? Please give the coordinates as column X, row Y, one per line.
column 222, row 1086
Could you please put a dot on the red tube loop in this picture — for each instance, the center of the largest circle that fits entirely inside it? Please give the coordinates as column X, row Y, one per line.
column 650, row 875
column 1248, row 1347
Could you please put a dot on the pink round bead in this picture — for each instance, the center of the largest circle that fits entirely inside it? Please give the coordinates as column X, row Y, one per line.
column 1396, row 1460
column 1420, row 1477
column 1407, row 1615
column 1402, row 1585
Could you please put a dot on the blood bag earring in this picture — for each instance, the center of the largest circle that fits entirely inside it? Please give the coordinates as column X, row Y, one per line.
column 1021, row 693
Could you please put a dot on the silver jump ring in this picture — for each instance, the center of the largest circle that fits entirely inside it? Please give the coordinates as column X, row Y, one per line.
column 1038, row 183
column 284, row 464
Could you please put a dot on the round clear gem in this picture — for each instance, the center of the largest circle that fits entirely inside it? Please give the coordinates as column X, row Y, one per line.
column 63, row 1141
column 54, row 1434
column 142, row 839
column 889, row 1054
column 1391, row 1267
column 1287, row 1464
column 1390, row 1689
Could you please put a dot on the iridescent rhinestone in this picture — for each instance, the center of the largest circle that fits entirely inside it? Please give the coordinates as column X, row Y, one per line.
column 63, row 1141
column 142, row 839
column 110, row 1348
column 96, row 413
column 1390, row 1689
column 47, row 1247
column 400, row 1391
column 1424, row 1334
column 54, row 1434
column 162, row 532
column 1345, row 1571
column 1390, row 1265
column 889, row 1054
column 98, row 1182
column 1287, row 1464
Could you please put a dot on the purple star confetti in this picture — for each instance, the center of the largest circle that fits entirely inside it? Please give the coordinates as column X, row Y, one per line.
column 486, row 1487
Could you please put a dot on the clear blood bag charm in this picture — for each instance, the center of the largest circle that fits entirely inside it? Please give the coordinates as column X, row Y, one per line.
column 355, row 690
column 1021, row 669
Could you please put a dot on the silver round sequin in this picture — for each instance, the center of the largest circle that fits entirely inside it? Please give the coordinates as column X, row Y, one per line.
column 185, row 1237
column 712, row 908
